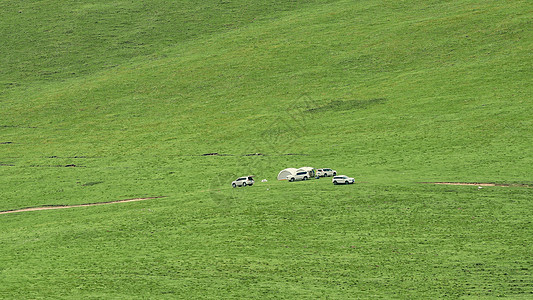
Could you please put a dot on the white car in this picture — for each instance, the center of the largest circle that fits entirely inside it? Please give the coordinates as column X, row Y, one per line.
column 343, row 179
column 243, row 181
column 326, row 172
column 301, row 175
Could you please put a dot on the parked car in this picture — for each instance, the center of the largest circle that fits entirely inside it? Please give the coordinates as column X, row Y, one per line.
column 342, row 179
column 243, row 181
column 301, row 175
column 326, row 172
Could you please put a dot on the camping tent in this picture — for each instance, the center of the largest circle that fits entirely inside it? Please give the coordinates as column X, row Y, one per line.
column 310, row 170
column 286, row 172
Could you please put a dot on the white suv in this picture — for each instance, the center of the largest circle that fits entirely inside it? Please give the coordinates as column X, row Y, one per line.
column 342, row 179
column 301, row 175
column 243, row 181
column 326, row 172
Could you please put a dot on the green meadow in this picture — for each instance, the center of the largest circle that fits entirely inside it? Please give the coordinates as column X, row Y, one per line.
column 109, row 100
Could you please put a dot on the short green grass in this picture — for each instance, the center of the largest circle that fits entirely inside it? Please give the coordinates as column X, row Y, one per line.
column 117, row 100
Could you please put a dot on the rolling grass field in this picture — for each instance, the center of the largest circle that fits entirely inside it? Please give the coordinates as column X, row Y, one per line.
column 104, row 101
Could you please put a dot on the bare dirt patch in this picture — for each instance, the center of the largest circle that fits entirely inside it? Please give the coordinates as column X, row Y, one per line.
column 57, row 166
column 254, row 154
column 215, row 154
column 16, row 126
column 48, row 207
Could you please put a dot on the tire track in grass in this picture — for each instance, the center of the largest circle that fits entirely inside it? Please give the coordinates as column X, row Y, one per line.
column 48, row 207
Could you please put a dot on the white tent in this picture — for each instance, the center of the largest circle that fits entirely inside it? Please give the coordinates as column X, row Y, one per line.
column 286, row 172
column 310, row 170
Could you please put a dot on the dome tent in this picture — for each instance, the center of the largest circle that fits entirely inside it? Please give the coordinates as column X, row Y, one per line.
column 286, row 172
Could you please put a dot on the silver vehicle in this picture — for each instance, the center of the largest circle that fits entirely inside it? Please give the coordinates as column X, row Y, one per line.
column 243, row 181
column 300, row 175
column 326, row 172
column 342, row 179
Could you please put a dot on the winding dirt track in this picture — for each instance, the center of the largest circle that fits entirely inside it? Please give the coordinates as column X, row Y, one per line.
column 72, row 206
column 480, row 184
column 470, row 183
column 148, row 198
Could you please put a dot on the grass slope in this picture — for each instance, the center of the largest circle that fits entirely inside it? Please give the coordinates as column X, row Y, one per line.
column 392, row 93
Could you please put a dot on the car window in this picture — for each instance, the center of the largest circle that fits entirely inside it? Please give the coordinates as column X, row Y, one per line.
column 250, row 178
column 240, row 179
column 301, row 173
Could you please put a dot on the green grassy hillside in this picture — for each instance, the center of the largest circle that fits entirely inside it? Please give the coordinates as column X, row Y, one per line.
column 116, row 100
